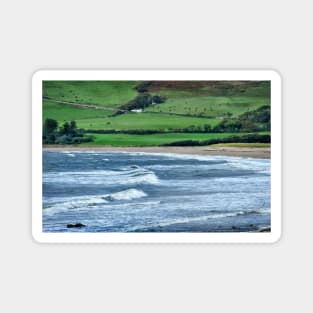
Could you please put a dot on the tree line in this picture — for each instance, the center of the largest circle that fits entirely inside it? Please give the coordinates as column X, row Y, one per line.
column 250, row 138
column 68, row 133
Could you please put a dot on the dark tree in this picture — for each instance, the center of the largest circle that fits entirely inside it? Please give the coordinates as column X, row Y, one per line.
column 67, row 134
column 49, row 130
column 73, row 126
column 50, row 126
column 65, row 130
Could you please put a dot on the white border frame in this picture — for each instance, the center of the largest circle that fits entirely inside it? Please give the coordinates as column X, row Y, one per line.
column 266, row 237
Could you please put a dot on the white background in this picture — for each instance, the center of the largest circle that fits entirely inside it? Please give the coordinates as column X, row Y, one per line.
column 160, row 34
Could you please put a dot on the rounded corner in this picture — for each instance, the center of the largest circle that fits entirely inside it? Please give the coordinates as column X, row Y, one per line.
column 276, row 237
column 37, row 75
column 36, row 237
column 276, row 75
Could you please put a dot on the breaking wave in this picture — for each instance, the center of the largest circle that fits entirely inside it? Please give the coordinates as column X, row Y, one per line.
column 214, row 214
column 128, row 194
column 85, row 202
column 130, row 175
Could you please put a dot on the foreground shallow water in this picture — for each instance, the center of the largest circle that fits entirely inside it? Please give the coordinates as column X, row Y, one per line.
column 152, row 192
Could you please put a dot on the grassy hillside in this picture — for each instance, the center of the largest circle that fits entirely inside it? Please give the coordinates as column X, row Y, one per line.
column 173, row 107
column 212, row 99
column 101, row 93
column 144, row 121
column 209, row 106
column 62, row 112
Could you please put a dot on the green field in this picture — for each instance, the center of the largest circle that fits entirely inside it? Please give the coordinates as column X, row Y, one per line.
column 209, row 106
column 62, row 112
column 149, row 140
column 143, row 121
column 101, row 93
column 188, row 109
column 102, row 119
column 213, row 100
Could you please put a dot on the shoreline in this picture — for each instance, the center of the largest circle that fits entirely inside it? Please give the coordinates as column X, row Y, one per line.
column 259, row 153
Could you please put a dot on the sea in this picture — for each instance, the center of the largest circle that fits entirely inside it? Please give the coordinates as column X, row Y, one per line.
column 108, row 191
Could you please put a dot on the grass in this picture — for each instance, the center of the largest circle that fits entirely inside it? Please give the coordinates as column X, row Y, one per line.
column 116, row 140
column 102, row 119
column 101, row 93
column 144, row 121
column 209, row 106
column 62, row 112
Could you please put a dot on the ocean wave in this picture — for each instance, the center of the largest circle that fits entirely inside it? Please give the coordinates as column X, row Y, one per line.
column 172, row 155
column 153, row 154
column 261, row 166
column 64, row 204
column 213, row 214
column 127, row 194
column 239, row 213
column 125, row 176
column 68, row 153
column 181, row 156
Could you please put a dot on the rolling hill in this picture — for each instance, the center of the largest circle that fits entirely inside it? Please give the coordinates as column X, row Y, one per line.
column 181, row 107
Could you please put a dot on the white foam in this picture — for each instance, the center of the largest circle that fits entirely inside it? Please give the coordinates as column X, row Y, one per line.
column 261, row 166
column 167, row 154
column 127, row 194
column 215, row 215
column 156, row 154
column 174, row 155
column 129, row 175
column 64, row 204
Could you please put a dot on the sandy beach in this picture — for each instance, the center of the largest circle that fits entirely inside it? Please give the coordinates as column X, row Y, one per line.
column 260, row 153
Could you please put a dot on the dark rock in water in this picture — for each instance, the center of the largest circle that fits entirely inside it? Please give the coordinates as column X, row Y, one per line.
column 108, row 198
column 234, row 227
column 77, row 225
column 134, row 166
column 265, row 230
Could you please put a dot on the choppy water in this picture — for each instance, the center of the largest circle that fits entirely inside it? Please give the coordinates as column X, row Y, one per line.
column 146, row 192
